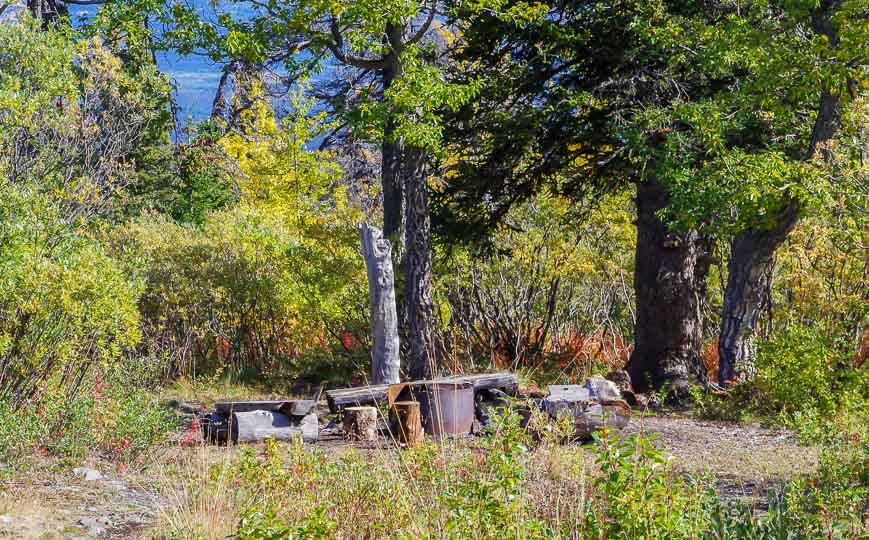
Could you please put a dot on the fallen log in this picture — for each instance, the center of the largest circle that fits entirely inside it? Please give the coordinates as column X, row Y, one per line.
column 592, row 406
column 374, row 394
column 253, row 426
column 566, row 400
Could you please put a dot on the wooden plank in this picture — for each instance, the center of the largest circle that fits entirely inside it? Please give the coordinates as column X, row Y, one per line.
column 291, row 407
column 367, row 395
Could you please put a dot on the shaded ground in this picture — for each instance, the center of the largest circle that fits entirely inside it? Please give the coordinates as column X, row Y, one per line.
column 44, row 503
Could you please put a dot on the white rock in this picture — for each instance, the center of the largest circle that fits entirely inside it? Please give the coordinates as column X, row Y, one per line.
column 88, row 474
column 602, row 390
column 94, row 526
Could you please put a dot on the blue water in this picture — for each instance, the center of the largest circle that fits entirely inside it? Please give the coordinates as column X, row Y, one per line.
column 194, row 77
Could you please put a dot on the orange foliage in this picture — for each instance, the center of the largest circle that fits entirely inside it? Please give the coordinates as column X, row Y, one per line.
column 709, row 357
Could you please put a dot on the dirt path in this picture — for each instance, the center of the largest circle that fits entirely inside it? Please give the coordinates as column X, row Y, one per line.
column 60, row 505
column 746, row 460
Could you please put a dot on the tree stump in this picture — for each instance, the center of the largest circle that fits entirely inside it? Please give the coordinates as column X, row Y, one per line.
column 381, row 295
column 409, row 422
column 360, row 424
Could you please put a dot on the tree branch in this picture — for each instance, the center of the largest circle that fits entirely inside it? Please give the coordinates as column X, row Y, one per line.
column 426, row 25
column 336, row 45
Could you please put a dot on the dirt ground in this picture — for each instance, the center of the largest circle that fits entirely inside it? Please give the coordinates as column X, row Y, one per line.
column 51, row 502
column 746, row 460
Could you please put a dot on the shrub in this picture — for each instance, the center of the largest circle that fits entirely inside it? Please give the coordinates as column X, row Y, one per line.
column 64, row 311
column 801, row 369
column 71, row 118
column 112, row 421
column 247, row 290
column 506, row 486
column 547, row 295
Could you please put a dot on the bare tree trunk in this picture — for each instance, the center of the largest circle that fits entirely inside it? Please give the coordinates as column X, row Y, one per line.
column 218, row 106
column 385, row 361
column 670, row 285
column 750, row 266
column 422, row 357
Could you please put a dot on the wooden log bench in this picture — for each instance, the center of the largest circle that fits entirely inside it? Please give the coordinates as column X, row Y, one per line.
column 379, row 393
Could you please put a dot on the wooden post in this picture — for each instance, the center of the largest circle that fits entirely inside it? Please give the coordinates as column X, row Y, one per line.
column 409, row 422
column 381, row 294
column 360, row 424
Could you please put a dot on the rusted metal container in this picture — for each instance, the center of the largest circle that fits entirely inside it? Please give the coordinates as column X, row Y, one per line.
column 447, row 408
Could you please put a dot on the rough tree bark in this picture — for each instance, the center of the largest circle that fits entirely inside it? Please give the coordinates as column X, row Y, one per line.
column 422, row 351
column 751, row 259
column 670, row 285
column 385, row 361
column 749, row 277
column 392, row 150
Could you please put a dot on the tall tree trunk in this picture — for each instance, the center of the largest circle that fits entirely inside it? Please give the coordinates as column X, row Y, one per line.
column 422, row 351
column 670, row 285
column 392, row 149
column 749, row 278
column 750, row 268
column 47, row 11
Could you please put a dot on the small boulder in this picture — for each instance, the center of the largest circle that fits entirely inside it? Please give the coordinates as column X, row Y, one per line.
column 621, row 379
column 87, row 474
column 566, row 400
column 602, row 390
column 95, row 526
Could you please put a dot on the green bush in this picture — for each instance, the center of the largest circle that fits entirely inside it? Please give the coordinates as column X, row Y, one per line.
column 246, row 291
column 66, row 306
column 492, row 489
column 112, row 421
column 801, row 369
column 71, row 119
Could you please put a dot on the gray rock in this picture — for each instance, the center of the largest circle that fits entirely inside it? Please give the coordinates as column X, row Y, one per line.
column 95, row 526
column 566, row 400
column 87, row 473
column 621, row 379
column 602, row 390
column 5, row 520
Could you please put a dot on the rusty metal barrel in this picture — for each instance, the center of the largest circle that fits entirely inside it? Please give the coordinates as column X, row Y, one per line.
column 447, row 408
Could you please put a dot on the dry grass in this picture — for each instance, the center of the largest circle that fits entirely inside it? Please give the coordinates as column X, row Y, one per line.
column 201, row 502
column 23, row 515
column 450, row 490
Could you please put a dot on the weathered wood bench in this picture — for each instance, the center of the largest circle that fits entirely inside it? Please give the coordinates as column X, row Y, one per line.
column 379, row 393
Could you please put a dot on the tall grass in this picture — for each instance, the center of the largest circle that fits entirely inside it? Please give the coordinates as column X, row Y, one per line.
column 503, row 486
